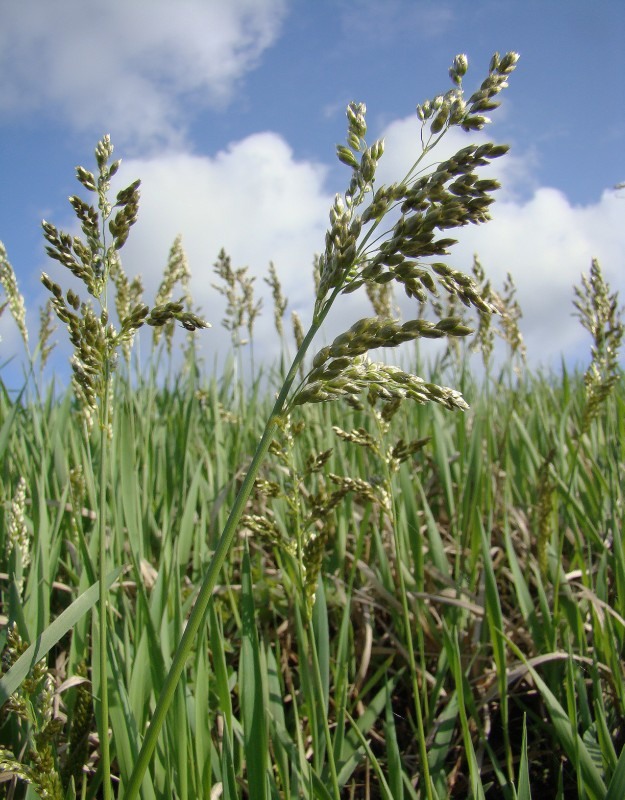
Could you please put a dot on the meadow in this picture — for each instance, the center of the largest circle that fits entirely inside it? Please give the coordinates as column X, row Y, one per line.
column 337, row 579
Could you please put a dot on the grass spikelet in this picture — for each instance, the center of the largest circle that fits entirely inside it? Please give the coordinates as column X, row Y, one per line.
column 509, row 316
column 600, row 315
column 95, row 338
column 312, row 560
column 450, row 195
column 18, row 541
column 279, row 301
column 265, row 529
column 46, row 330
column 484, row 339
column 381, row 298
column 238, row 289
column 176, row 272
column 128, row 297
column 33, row 705
column 80, row 727
column 298, row 335
column 298, row 329
column 15, row 300
column 379, row 380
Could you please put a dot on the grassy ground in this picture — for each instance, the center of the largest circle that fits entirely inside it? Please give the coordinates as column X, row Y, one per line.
column 468, row 603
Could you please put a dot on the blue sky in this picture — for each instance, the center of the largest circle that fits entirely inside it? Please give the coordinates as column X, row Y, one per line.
column 229, row 112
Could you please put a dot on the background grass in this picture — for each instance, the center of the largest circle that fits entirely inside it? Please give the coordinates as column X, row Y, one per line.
column 473, row 614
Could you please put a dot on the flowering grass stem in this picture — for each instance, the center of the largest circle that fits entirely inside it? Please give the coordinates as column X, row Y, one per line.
column 197, row 615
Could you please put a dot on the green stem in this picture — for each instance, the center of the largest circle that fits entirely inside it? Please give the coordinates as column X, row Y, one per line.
column 559, row 559
column 399, row 556
column 196, row 618
column 103, row 599
column 319, row 690
column 413, row 664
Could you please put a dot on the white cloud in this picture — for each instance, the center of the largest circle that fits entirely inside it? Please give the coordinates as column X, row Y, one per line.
column 254, row 200
column 260, row 203
column 125, row 67
column 536, row 234
column 546, row 243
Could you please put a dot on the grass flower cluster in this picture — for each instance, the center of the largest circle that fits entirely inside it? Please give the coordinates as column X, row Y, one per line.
column 14, row 299
column 360, row 596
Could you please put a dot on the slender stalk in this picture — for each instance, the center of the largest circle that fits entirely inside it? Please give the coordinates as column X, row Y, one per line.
column 343, row 267
column 103, row 599
column 559, row 559
column 326, row 726
column 413, row 664
column 200, row 607
column 407, row 625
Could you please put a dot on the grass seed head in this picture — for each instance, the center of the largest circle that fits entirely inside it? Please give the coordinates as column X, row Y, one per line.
column 238, row 289
column 18, row 539
column 279, row 301
column 46, row 330
column 312, row 561
column 600, row 315
column 15, row 300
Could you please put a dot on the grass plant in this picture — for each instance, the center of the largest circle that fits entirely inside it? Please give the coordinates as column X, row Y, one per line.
column 363, row 598
column 470, row 563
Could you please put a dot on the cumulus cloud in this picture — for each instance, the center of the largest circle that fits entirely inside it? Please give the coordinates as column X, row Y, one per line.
column 255, row 200
column 261, row 204
column 536, row 234
column 126, row 66
column 546, row 243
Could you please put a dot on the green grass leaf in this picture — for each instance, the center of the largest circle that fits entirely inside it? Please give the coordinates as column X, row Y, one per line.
column 616, row 787
column 252, row 687
column 523, row 791
column 569, row 739
column 52, row 634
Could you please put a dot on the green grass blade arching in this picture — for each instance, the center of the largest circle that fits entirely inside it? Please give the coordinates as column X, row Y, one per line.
column 562, row 730
column 393, row 755
column 384, row 787
column 51, row 636
column 496, row 626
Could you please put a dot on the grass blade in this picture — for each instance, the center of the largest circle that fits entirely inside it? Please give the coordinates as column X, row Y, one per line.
column 453, row 654
column 393, row 755
column 51, row 636
column 570, row 740
column 252, row 688
column 384, row 787
column 524, row 791
column 616, row 789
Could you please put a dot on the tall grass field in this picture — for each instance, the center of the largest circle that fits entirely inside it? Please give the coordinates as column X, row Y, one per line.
column 339, row 578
